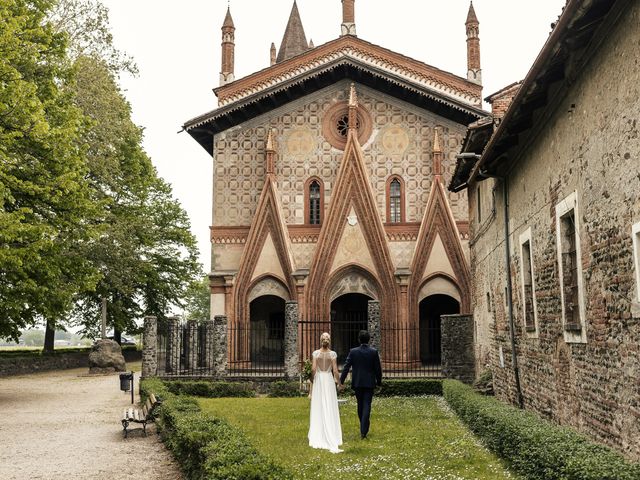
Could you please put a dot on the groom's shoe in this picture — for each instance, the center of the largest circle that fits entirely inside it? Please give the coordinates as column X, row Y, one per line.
column 363, row 436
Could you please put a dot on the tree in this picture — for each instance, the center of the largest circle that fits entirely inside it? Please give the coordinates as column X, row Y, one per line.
column 146, row 255
column 198, row 300
column 46, row 214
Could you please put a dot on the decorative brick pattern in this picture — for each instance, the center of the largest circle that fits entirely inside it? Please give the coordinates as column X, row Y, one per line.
column 149, row 347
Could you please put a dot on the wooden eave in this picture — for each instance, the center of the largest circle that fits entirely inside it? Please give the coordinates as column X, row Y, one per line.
column 579, row 31
column 204, row 127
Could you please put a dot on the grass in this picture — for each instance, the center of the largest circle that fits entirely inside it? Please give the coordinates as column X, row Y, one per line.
column 410, row 438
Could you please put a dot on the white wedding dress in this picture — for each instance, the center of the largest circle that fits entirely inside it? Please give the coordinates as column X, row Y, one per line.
column 324, row 423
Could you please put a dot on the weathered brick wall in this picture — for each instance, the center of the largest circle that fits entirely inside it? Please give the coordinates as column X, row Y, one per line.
column 590, row 145
column 457, row 347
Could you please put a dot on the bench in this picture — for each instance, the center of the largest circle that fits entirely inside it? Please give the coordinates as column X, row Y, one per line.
column 134, row 415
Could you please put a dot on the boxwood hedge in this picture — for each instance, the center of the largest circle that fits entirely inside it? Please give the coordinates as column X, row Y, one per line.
column 535, row 448
column 208, row 447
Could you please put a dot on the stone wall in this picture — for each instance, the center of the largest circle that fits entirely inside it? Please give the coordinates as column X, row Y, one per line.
column 591, row 146
column 59, row 361
column 458, row 360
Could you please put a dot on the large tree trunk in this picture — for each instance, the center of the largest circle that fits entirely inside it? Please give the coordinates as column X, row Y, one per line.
column 117, row 335
column 49, row 336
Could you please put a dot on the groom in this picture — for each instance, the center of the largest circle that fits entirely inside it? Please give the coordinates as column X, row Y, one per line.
column 367, row 373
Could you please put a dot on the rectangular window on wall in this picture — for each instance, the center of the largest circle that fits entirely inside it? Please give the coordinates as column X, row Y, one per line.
column 635, row 231
column 571, row 286
column 529, row 309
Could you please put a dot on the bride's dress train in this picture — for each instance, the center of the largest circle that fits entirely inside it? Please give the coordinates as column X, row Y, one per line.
column 324, row 425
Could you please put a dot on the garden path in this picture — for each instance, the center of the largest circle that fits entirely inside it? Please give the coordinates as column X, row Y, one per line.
column 66, row 425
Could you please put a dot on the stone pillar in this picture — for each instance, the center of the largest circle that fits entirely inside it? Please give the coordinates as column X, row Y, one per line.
column 149, row 347
column 373, row 323
column 173, row 347
column 192, row 344
column 220, row 345
column 458, row 359
column 291, row 363
column 208, row 349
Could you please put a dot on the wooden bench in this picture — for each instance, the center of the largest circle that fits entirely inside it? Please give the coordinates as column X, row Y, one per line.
column 134, row 415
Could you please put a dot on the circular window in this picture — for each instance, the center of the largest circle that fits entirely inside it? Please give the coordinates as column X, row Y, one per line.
column 335, row 125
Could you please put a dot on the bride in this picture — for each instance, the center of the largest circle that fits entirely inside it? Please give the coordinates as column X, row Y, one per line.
column 324, row 424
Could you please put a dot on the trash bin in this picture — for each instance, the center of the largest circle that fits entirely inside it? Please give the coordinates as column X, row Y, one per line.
column 126, row 380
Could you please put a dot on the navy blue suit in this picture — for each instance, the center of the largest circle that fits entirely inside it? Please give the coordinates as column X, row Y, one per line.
column 367, row 373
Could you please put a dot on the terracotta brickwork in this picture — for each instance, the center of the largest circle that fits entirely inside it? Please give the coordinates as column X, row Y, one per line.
column 501, row 100
column 591, row 146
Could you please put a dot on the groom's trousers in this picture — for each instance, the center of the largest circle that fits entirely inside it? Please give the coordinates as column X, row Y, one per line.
column 364, row 396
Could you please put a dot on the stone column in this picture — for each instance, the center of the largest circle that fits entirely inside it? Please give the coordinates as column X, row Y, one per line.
column 291, row 363
column 458, row 359
column 173, row 347
column 192, row 344
column 220, row 345
column 149, row 347
column 208, row 349
column 373, row 323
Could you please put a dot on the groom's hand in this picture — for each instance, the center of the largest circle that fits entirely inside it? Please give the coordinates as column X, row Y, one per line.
column 341, row 386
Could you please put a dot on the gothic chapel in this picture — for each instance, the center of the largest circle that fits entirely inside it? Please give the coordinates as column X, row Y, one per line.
column 328, row 195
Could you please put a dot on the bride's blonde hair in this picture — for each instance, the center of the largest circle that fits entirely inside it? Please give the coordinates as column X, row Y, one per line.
column 325, row 340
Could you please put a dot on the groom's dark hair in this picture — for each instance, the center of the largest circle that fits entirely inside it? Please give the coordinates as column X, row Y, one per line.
column 364, row 336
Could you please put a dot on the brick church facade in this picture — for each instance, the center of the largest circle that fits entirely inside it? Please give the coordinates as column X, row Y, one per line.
column 330, row 168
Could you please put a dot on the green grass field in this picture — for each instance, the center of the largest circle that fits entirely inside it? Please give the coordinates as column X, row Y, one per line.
column 410, row 438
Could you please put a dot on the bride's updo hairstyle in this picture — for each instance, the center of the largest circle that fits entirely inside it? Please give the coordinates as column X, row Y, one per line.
column 325, row 340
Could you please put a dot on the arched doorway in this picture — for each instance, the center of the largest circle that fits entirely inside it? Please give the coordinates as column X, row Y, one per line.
column 266, row 340
column 430, row 335
column 349, row 315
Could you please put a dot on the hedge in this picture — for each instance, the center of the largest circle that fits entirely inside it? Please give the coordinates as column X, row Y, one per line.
column 410, row 387
column 207, row 447
column 210, row 389
column 535, row 448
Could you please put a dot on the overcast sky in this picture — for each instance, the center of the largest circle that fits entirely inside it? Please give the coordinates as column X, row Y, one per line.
column 176, row 45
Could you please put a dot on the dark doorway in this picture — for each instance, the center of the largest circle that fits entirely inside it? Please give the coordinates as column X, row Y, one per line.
column 267, row 331
column 349, row 315
column 430, row 336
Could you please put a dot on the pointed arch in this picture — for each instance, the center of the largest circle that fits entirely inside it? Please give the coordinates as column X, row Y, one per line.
column 439, row 221
column 395, row 199
column 268, row 284
column 441, row 283
column 268, row 220
column 352, row 189
column 313, row 201
column 368, row 284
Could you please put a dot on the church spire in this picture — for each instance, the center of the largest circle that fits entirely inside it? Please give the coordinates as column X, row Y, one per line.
column 474, row 72
column 437, row 154
column 294, row 41
column 228, row 49
column 348, row 18
column 271, row 154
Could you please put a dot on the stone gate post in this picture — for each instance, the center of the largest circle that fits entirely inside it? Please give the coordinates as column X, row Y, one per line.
column 208, row 349
column 291, row 361
column 458, row 359
column 220, row 346
column 373, row 323
column 174, row 340
column 192, row 342
column 149, row 347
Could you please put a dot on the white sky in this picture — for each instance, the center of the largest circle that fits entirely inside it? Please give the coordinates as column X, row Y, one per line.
column 177, row 48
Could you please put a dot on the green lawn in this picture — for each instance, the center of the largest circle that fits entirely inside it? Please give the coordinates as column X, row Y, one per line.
column 410, row 438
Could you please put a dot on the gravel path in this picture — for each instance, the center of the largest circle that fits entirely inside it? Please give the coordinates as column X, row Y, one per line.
column 66, row 425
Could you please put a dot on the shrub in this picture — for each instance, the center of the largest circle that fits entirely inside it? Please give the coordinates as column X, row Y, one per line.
column 207, row 447
column 410, row 387
column 534, row 447
column 283, row 388
column 484, row 383
column 210, row 389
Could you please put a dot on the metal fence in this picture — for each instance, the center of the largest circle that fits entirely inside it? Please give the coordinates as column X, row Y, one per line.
column 256, row 349
column 406, row 352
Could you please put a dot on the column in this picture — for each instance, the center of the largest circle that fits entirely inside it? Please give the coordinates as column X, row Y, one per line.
column 220, row 346
column 458, row 359
column 149, row 347
column 291, row 359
